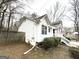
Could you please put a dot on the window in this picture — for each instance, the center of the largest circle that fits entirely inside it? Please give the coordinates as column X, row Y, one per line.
column 49, row 29
column 44, row 29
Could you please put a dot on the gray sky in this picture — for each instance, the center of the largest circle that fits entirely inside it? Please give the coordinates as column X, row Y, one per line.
column 41, row 6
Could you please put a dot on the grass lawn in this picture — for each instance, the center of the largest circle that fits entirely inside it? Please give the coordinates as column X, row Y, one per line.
column 15, row 51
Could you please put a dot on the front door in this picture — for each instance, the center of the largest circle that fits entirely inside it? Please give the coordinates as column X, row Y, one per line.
column 53, row 32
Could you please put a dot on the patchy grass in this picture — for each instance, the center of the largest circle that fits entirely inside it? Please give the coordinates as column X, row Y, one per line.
column 61, row 52
column 74, row 52
column 15, row 51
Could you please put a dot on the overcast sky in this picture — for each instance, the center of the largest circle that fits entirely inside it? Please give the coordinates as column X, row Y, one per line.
column 41, row 6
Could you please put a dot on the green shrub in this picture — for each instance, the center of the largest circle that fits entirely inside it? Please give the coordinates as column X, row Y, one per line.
column 57, row 40
column 49, row 42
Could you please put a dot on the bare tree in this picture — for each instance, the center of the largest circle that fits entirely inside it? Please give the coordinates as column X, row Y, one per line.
column 75, row 13
column 8, row 12
column 3, row 8
column 11, row 8
column 57, row 14
column 13, row 11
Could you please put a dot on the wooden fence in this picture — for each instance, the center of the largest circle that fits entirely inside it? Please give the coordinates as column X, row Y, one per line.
column 11, row 36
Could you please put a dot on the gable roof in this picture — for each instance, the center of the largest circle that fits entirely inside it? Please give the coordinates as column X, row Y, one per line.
column 56, row 23
column 37, row 19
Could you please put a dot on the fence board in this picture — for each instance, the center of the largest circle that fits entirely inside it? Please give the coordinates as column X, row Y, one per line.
column 11, row 36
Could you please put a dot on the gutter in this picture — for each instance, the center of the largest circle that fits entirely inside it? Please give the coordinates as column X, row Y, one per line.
column 29, row 50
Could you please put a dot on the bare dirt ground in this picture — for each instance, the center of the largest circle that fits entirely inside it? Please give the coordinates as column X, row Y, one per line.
column 15, row 51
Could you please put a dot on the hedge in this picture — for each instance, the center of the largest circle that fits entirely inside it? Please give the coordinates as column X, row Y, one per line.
column 49, row 42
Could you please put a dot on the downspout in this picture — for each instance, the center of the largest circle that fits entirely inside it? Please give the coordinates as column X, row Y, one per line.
column 29, row 49
column 33, row 43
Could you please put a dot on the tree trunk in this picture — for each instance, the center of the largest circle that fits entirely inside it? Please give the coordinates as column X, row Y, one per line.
column 9, row 21
column 3, row 14
column 2, row 19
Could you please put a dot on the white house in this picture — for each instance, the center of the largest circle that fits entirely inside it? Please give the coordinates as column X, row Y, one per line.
column 36, row 29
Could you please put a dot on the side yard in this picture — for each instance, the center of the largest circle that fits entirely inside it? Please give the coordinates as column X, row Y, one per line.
column 15, row 51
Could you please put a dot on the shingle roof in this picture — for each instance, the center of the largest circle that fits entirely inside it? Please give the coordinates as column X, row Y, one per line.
column 37, row 20
column 56, row 23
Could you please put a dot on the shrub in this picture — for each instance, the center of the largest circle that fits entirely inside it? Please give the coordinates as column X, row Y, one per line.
column 49, row 42
column 57, row 40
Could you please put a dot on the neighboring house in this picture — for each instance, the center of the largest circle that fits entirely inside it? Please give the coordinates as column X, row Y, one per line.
column 58, row 30
column 36, row 29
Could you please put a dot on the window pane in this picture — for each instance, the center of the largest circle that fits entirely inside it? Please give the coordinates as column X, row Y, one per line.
column 49, row 29
column 44, row 29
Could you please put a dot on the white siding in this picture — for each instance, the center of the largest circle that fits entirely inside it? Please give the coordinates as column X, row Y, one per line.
column 29, row 28
column 33, row 30
column 40, row 35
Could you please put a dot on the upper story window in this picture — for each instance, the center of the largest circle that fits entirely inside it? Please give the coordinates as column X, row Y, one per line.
column 44, row 29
